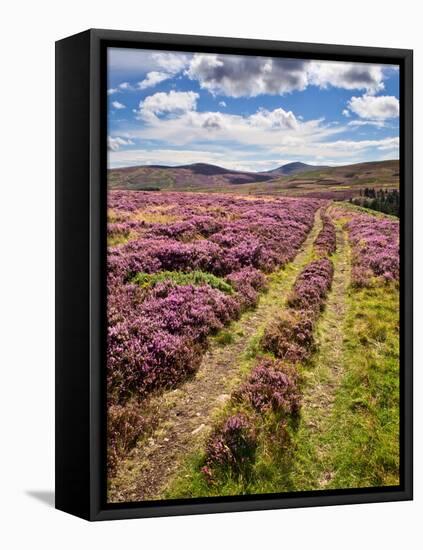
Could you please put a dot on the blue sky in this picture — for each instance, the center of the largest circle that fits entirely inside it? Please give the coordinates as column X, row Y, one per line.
column 248, row 112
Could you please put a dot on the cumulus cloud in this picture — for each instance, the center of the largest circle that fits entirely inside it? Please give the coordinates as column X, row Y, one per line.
column 115, row 143
column 153, row 78
column 122, row 87
column 168, row 65
column 222, row 103
column 346, row 113
column 350, row 76
column 276, row 119
column 374, row 107
column 238, row 76
column 117, row 105
column 167, row 103
column 171, row 62
column 250, row 76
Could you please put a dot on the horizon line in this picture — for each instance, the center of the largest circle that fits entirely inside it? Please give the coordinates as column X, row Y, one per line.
column 246, row 171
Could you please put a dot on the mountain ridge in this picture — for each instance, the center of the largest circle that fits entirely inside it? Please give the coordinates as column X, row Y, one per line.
column 291, row 178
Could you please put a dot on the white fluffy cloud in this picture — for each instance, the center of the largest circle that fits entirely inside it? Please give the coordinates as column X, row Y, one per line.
column 278, row 119
column 168, row 65
column 350, row 76
column 122, row 87
column 374, row 107
column 166, row 103
column 117, row 105
column 115, row 143
column 153, row 78
column 171, row 62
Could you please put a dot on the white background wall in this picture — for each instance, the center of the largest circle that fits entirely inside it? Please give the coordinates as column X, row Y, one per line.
column 28, row 32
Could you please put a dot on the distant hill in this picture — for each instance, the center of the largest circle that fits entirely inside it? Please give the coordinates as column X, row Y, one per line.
column 295, row 178
column 181, row 177
column 293, row 168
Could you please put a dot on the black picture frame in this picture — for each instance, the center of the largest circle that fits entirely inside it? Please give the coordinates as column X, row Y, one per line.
column 80, row 272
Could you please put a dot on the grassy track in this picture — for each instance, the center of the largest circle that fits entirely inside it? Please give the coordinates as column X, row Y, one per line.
column 347, row 434
column 183, row 418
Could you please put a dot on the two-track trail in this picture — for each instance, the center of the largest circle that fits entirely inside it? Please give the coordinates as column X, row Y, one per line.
column 184, row 415
column 311, row 466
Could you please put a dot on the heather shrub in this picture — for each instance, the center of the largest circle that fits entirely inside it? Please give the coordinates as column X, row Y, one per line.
column 273, row 386
column 159, row 341
column 141, row 360
column 311, row 286
column 325, row 243
column 289, row 337
column 375, row 246
column 231, row 445
column 248, row 282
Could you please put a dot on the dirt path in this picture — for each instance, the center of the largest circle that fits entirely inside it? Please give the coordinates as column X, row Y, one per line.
column 184, row 415
column 310, row 468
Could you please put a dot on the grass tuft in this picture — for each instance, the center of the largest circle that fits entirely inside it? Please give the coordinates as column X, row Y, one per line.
column 148, row 280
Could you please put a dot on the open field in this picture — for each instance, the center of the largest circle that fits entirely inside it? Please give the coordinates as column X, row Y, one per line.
column 253, row 345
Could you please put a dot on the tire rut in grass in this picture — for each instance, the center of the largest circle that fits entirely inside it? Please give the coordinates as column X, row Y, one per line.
column 323, row 375
column 183, row 416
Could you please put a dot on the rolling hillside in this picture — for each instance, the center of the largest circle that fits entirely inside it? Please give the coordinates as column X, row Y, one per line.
column 294, row 178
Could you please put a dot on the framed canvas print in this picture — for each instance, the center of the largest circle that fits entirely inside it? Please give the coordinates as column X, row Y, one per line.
column 233, row 274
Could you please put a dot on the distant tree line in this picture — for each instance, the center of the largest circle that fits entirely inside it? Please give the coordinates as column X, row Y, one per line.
column 382, row 200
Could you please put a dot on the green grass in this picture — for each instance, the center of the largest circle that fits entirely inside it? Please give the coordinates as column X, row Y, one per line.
column 365, row 423
column 356, row 208
column 148, row 280
column 225, row 337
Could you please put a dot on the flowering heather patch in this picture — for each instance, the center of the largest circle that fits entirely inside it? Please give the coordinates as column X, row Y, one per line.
column 272, row 385
column 311, row 287
column 161, row 344
column 232, row 444
column 190, row 265
column 290, row 336
column 248, row 282
column 375, row 244
column 325, row 243
column 154, row 325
